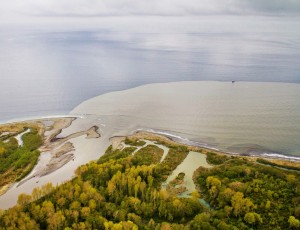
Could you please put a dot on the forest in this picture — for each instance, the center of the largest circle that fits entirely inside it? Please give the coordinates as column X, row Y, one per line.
column 16, row 160
column 124, row 191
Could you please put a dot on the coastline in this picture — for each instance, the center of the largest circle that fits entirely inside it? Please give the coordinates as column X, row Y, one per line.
column 250, row 118
column 184, row 141
column 151, row 134
column 186, row 113
column 36, row 118
column 86, row 145
column 171, row 140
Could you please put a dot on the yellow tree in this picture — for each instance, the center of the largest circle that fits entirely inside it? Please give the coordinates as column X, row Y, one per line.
column 294, row 223
column 24, row 199
column 56, row 221
column 237, row 203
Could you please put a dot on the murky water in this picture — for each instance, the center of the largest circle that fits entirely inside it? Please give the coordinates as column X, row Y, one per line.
column 240, row 117
column 189, row 165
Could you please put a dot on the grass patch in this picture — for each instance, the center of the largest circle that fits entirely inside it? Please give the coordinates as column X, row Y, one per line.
column 16, row 161
column 216, row 159
column 116, row 154
column 150, row 154
column 134, row 142
column 266, row 162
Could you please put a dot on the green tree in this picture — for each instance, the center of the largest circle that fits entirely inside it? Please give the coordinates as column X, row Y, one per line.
column 237, row 203
column 24, row 199
column 250, row 218
column 294, row 223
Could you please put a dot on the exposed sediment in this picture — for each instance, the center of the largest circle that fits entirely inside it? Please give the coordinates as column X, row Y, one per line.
column 61, row 149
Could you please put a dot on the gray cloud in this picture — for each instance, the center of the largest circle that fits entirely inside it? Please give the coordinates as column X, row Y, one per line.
column 16, row 9
column 270, row 6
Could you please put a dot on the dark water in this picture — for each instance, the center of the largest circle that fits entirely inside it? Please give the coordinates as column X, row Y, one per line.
column 46, row 70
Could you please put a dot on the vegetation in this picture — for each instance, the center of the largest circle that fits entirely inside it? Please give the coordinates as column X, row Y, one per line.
column 11, row 130
column 148, row 155
column 249, row 195
column 179, row 179
column 134, row 142
column 176, row 186
column 117, row 154
column 17, row 161
column 216, row 159
column 266, row 162
column 116, row 193
column 123, row 191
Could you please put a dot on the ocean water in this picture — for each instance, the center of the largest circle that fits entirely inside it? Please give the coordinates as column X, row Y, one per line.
column 53, row 68
column 49, row 68
column 243, row 117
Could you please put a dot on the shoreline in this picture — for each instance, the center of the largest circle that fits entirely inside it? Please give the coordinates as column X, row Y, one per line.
column 85, row 140
column 38, row 118
column 244, row 118
column 91, row 133
column 267, row 154
column 264, row 154
column 164, row 137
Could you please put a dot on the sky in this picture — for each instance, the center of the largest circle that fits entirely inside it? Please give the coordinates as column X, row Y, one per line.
column 16, row 11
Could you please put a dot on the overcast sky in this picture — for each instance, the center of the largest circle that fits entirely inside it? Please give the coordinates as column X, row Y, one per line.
column 17, row 10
